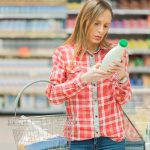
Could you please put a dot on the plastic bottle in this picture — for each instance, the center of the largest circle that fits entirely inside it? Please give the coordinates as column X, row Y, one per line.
column 115, row 54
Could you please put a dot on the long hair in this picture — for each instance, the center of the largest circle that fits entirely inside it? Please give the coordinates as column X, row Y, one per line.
column 89, row 12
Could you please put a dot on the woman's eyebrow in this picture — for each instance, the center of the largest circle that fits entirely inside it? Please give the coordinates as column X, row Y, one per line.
column 108, row 23
column 102, row 21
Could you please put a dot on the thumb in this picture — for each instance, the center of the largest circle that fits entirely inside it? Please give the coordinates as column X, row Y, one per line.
column 97, row 66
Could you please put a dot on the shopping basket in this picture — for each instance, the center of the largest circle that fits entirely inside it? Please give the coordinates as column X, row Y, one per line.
column 51, row 132
column 134, row 140
column 46, row 132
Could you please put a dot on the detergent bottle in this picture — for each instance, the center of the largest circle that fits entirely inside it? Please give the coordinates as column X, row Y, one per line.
column 115, row 54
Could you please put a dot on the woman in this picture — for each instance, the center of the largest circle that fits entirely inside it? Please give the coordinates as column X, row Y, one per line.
column 93, row 97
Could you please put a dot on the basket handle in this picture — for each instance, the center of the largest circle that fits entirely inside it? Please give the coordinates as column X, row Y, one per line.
column 25, row 87
column 140, row 135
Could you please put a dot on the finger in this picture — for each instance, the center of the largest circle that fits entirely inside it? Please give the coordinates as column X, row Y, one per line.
column 124, row 53
column 102, row 73
column 98, row 65
column 117, row 67
column 117, row 64
column 124, row 57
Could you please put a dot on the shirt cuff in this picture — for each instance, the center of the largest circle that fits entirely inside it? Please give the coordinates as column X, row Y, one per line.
column 79, row 82
column 124, row 80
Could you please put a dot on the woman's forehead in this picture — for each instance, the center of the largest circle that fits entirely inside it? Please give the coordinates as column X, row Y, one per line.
column 104, row 17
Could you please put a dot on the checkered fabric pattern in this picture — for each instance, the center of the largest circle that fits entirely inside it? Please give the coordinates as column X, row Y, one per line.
column 78, row 96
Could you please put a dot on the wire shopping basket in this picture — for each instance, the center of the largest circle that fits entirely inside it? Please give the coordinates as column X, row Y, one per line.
column 134, row 140
column 46, row 132
column 52, row 132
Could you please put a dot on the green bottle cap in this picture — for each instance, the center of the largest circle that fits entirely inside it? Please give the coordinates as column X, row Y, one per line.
column 123, row 43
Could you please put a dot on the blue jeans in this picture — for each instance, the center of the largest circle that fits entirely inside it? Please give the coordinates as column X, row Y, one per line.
column 101, row 143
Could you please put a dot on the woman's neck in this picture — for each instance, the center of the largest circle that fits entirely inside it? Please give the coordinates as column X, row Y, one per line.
column 93, row 48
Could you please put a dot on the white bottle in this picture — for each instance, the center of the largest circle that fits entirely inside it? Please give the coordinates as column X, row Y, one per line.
column 114, row 54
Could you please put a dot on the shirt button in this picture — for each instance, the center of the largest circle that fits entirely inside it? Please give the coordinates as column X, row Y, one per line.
column 96, row 116
column 93, row 84
column 95, row 99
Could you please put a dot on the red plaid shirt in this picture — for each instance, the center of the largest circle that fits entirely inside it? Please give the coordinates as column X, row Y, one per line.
column 110, row 95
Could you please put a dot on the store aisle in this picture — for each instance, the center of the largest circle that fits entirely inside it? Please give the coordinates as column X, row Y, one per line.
column 6, row 136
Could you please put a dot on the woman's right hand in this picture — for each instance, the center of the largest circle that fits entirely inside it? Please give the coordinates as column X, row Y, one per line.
column 95, row 74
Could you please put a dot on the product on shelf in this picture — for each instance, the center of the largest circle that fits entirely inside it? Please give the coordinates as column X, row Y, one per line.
column 147, row 61
column 146, row 81
column 1, row 102
column 41, row 102
column 133, row 4
column 33, row 2
column 136, row 80
column 27, row 102
column 123, row 4
column 24, row 52
column 148, row 21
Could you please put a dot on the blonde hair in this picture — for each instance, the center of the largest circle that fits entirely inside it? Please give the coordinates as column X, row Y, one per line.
column 89, row 12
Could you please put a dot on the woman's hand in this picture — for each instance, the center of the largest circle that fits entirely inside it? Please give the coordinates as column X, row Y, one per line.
column 119, row 67
column 95, row 74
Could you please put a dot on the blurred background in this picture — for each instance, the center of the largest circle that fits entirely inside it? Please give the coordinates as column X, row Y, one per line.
column 30, row 30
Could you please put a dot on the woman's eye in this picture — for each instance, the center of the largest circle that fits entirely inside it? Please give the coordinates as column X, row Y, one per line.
column 96, row 24
column 106, row 26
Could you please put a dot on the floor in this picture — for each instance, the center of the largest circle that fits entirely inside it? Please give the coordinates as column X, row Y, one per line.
column 6, row 136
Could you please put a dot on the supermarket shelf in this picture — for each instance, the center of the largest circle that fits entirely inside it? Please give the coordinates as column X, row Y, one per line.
column 139, row 69
column 69, row 30
column 118, row 12
column 73, row 11
column 33, row 3
column 139, row 51
column 121, row 31
column 33, row 34
column 33, row 16
column 129, row 31
column 14, row 90
column 27, row 72
column 48, row 53
column 140, row 90
column 51, row 110
column 14, row 76
column 31, row 54
column 131, row 12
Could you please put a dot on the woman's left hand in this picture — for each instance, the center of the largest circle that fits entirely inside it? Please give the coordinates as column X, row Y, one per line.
column 119, row 67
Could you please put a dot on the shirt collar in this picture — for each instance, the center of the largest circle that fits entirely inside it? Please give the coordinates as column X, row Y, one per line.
column 92, row 53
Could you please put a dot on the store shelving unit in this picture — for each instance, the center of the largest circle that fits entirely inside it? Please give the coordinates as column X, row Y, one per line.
column 28, row 42
column 134, row 25
column 29, row 33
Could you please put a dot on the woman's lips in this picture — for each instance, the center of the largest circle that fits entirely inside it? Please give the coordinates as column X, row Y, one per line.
column 97, row 38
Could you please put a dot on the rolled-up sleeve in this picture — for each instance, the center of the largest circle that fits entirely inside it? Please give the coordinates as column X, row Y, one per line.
column 122, row 92
column 62, row 89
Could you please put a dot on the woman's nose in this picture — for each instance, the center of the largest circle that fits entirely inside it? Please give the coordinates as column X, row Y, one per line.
column 101, row 29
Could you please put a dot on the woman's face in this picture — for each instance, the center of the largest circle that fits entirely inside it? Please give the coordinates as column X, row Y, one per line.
column 98, row 29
